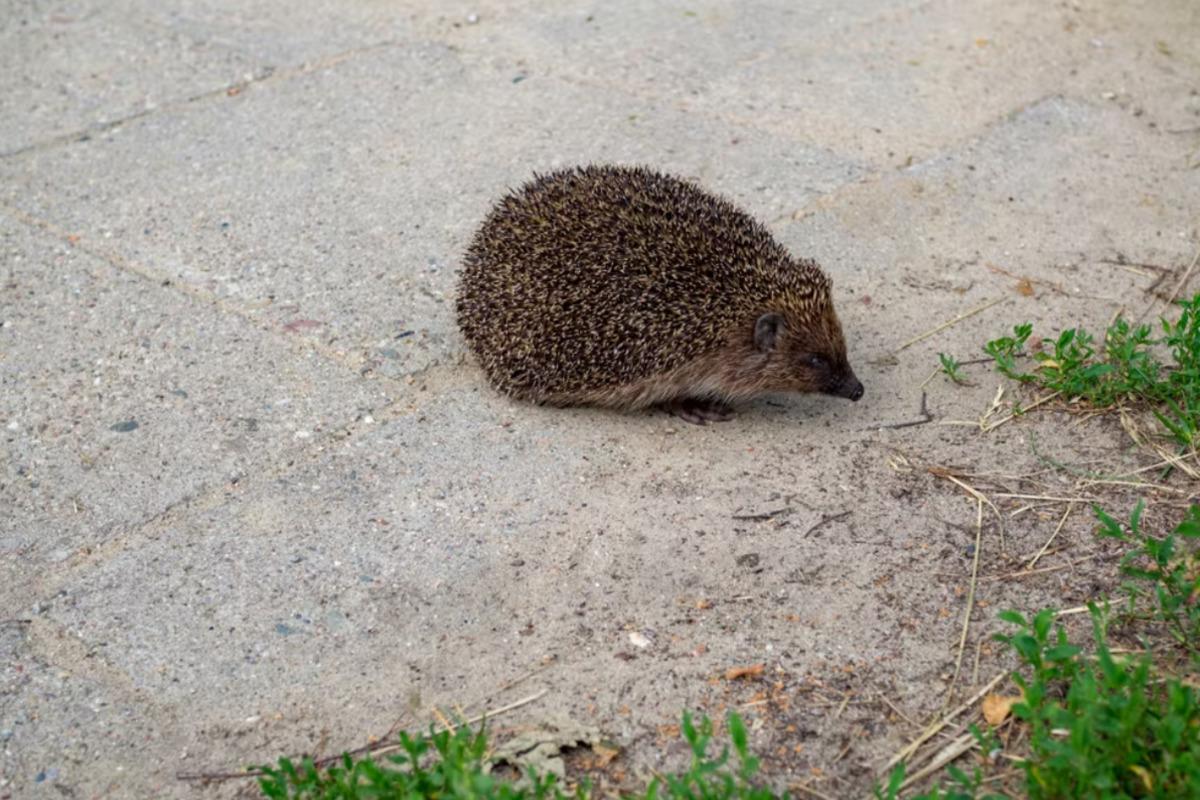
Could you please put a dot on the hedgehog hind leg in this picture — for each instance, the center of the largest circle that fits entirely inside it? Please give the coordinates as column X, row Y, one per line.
column 699, row 411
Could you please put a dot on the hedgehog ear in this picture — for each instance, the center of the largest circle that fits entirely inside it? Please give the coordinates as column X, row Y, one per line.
column 766, row 331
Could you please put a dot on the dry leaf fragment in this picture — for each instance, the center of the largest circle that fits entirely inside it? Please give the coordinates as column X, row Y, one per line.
column 605, row 754
column 1144, row 774
column 997, row 707
column 1025, row 287
column 752, row 671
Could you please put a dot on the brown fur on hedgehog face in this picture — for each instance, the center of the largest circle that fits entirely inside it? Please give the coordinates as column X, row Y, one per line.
column 803, row 355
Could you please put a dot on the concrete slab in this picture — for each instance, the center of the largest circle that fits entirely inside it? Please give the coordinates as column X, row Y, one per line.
column 335, row 206
column 122, row 398
column 380, row 579
column 885, row 82
column 297, row 236
column 65, row 728
column 96, row 65
column 1059, row 194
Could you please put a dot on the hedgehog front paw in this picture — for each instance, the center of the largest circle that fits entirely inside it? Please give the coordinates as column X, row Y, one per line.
column 699, row 412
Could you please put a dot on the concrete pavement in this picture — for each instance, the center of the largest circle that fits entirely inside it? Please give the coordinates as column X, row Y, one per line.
column 257, row 500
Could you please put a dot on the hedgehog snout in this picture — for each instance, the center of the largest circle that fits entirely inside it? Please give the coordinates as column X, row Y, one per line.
column 850, row 387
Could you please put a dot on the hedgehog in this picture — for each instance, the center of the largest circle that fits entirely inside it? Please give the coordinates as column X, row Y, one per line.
column 621, row 287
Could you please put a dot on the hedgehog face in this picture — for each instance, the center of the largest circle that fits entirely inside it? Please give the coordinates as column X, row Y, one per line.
column 803, row 357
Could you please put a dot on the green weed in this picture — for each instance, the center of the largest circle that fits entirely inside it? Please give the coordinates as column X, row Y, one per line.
column 454, row 766
column 1102, row 726
column 1123, row 367
column 1162, row 572
column 952, row 369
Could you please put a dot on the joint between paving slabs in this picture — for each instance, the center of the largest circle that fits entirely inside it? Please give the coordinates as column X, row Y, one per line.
column 140, row 530
column 55, row 644
column 54, row 577
column 266, row 75
column 162, row 280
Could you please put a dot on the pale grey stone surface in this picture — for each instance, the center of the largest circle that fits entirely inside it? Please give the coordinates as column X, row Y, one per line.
column 237, row 225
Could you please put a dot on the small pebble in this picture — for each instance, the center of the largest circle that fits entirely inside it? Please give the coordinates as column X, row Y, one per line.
column 749, row 560
column 472, row 19
column 126, row 426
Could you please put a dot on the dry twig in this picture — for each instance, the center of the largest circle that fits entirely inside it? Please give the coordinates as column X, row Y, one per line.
column 376, row 748
column 949, row 323
column 962, row 643
column 1033, row 561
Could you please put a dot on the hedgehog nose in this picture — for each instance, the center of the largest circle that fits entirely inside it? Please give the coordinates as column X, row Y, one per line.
column 853, row 389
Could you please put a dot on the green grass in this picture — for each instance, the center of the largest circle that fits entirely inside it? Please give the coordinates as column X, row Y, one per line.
column 449, row 765
column 1123, row 367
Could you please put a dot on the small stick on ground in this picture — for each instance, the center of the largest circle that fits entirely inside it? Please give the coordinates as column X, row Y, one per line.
column 842, row 707
column 934, row 728
column 949, row 323
column 978, row 655
column 376, row 748
column 899, row 713
column 1033, row 561
column 1183, row 281
column 1027, row 572
column 526, row 676
column 1047, row 498
column 1026, row 410
column 947, row 754
column 800, row 787
column 445, row 722
column 962, row 642
column 926, row 417
column 1187, row 273
column 942, row 472
column 764, row 516
column 824, row 521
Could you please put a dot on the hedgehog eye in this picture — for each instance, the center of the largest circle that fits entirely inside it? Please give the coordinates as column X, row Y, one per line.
column 816, row 361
